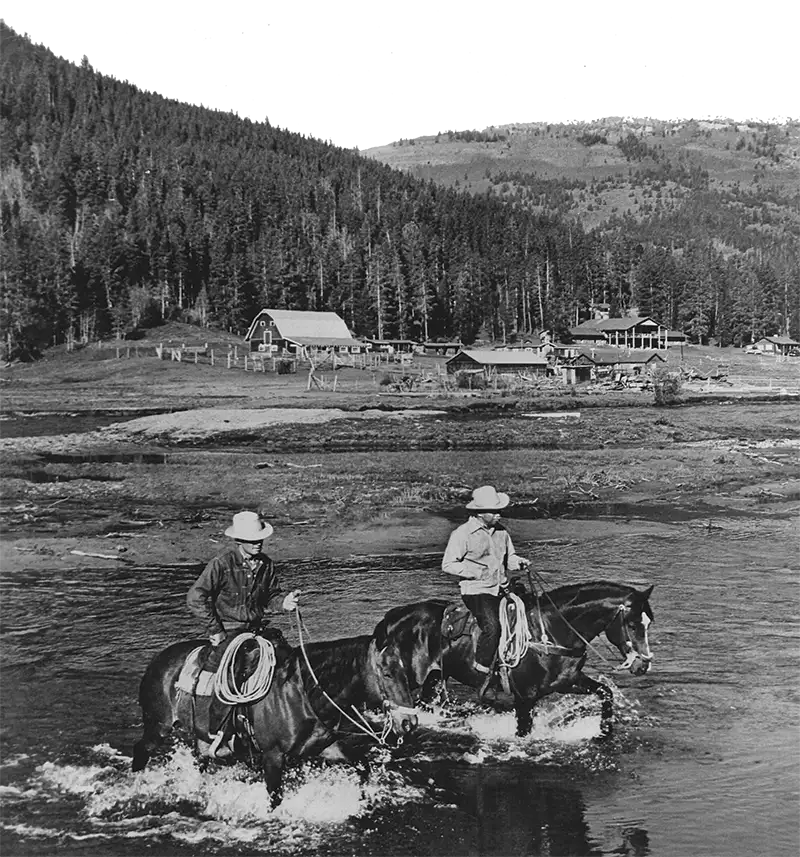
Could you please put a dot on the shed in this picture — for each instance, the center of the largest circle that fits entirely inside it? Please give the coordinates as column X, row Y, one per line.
column 442, row 349
column 393, row 346
column 285, row 331
column 497, row 362
column 777, row 345
column 608, row 360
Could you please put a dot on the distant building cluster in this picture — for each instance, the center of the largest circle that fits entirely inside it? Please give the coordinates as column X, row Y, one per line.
column 625, row 346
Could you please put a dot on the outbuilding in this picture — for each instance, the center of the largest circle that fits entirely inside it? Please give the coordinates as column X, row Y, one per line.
column 608, row 361
column 782, row 345
column 629, row 332
column 492, row 363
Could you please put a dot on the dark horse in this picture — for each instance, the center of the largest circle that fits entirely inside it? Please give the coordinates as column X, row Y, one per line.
column 571, row 617
column 297, row 718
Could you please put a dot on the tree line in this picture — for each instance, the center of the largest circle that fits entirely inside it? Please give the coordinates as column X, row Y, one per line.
column 121, row 208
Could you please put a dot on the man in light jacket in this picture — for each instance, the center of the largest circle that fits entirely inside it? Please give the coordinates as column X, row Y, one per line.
column 481, row 554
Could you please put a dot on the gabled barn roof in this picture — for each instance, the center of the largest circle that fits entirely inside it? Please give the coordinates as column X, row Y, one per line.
column 307, row 328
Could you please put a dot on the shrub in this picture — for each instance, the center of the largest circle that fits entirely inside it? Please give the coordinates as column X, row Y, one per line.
column 385, row 379
column 285, row 367
column 666, row 386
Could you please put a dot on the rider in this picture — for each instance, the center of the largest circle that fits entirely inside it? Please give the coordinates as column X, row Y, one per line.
column 235, row 589
column 481, row 553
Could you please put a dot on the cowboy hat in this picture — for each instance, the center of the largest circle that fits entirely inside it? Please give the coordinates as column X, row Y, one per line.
column 248, row 527
column 487, row 499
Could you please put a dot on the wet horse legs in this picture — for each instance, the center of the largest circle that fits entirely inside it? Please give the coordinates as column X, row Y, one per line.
column 584, row 684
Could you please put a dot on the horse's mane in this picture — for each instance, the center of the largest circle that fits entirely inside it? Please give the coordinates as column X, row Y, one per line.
column 335, row 662
column 396, row 614
column 580, row 593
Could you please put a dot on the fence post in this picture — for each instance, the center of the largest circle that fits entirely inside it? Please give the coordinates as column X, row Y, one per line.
column 229, row 360
column 195, row 357
column 117, row 353
column 128, row 352
column 212, row 356
column 245, row 362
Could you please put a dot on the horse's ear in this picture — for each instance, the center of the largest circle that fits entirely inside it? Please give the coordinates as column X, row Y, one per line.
column 648, row 592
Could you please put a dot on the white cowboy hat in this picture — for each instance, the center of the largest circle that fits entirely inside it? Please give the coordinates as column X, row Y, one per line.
column 248, row 527
column 487, row 499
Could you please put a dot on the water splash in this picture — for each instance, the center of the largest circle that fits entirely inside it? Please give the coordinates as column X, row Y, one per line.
column 176, row 800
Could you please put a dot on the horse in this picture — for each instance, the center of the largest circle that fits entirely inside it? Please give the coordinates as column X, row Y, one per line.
column 567, row 620
column 313, row 692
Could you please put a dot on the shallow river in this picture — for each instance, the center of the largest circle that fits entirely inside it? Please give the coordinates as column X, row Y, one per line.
column 704, row 762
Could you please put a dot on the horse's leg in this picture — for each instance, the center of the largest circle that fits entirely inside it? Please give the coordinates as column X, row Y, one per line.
column 158, row 714
column 272, row 764
column 341, row 752
column 585, row 684
column 523, row 708
column 434, row 688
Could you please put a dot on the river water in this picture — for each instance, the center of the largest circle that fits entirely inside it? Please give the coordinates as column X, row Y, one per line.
column 705, row 760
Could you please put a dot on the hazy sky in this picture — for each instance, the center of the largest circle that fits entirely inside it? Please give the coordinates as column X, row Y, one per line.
column 364, row 73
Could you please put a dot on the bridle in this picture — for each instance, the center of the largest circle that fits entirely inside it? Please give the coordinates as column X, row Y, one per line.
column 620, row 611
column 633, row 652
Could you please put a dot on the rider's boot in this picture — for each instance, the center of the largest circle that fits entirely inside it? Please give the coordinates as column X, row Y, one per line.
column 220, row 718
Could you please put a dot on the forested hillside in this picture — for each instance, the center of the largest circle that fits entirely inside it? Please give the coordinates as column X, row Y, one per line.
column 121, row 208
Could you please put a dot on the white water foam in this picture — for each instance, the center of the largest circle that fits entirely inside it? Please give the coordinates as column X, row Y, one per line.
column 177, row 800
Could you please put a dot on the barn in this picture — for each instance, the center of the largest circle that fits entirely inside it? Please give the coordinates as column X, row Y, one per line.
column 285, row 331
column 493, row 363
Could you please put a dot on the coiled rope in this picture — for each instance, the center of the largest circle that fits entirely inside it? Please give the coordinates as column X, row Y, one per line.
column 258, row 685
column 515, row 635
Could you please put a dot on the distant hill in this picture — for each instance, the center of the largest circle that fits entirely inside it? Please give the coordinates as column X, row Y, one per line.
column 595, row 170
column 122, row 209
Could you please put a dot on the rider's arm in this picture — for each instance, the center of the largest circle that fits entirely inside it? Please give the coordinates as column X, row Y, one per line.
column 514, row 562
column 454, row 556
column 201, row 595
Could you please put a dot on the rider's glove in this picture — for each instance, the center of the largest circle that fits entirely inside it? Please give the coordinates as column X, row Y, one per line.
column 216, row 639
column 291, row 600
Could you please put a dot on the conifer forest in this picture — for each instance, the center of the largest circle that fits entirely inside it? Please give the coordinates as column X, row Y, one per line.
column 121, row 208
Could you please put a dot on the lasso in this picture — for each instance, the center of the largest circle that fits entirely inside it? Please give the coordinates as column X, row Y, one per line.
column 259, row 683
column 515, row 635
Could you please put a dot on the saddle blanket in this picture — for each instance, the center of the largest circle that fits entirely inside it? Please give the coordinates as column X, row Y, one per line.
column 192, row 673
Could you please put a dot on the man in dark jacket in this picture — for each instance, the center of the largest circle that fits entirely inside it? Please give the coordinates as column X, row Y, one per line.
column 235, row 589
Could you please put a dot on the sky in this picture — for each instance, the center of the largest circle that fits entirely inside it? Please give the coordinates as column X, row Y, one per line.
column 360, row 73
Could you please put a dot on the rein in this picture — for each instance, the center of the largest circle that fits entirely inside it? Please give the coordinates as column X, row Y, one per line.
column 364, row 725
column 631, row 655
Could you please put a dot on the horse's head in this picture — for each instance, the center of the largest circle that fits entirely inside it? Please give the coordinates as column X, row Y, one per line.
column 628, row 631
column 390, row 681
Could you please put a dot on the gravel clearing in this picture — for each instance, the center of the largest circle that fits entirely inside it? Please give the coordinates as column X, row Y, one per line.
column 204, row 422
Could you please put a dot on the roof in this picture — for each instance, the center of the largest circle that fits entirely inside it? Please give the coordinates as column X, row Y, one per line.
column 302, row 327
column 391, row 341
column 606, row 324
column 502, row 358
column 611, row 356
column 780, row 340
column 442, row 344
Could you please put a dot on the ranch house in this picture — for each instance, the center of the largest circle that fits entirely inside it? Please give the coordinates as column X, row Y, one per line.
column 285, row 331
column 782, row 345
column 633, row 332
column 493, row 363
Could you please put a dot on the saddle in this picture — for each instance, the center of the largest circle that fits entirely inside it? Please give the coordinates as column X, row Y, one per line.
column 214, row 722
column 458, row 622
